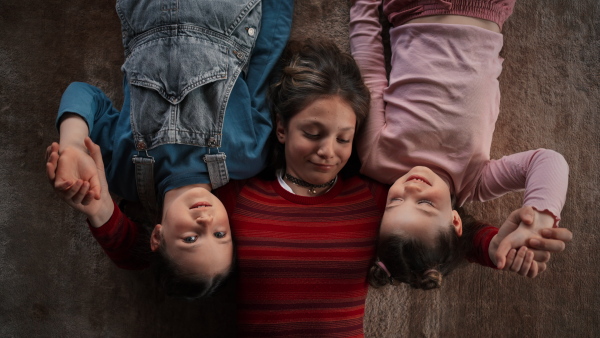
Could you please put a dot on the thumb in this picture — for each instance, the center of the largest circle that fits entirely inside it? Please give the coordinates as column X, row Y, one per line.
column 96, row 155
column 526, row 215
column 501, row 252
column 95, row 152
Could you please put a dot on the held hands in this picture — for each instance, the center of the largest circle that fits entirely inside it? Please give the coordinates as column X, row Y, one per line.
column 79, row 179
column 525, row 240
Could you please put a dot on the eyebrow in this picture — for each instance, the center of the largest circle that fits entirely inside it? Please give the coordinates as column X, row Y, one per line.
column 321, row 125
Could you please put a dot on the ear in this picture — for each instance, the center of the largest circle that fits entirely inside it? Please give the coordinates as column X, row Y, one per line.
column 457, row 223
column 280, row 131
column 155, row 238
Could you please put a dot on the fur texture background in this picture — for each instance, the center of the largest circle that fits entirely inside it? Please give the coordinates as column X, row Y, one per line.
column 55, row 280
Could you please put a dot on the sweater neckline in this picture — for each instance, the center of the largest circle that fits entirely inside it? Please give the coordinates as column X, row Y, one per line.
column 308, row 200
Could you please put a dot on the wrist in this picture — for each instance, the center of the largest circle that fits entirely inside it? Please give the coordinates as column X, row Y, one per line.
column 543, row 220
column 73, row 131
column 103, row 215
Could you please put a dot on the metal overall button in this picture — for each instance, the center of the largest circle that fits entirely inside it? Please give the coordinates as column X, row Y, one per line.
column 211, row 142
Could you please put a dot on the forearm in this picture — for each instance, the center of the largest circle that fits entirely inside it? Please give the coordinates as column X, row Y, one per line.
column 542, row 173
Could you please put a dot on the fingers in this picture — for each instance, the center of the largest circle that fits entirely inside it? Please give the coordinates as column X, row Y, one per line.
column 95, row 152
column 81, row 193
column 562, row 234
column 96, row 155
column 552, row 245
column 518, row 261
column 541, row 267
column 540, row 256
column 51, row 148
column 523, row 263
column 51, row 164
column 510, row 258
column 528, row 263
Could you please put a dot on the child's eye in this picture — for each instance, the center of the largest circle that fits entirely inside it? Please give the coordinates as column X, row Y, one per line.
column 311, row 136
column 190, row 239
column 426, row 202
column 220, row 234
column 343, row 141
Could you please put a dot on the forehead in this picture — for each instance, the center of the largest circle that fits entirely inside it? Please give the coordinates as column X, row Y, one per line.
column 327, row 111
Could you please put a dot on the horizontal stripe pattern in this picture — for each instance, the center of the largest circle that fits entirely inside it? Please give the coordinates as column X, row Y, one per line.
column 303, row 261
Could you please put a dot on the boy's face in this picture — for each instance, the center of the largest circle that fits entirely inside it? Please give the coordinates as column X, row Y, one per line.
column 195, row 229
column 419, row 206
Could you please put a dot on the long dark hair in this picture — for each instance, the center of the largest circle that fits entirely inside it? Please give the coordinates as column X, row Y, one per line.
column 422, row 266
column 307, row 71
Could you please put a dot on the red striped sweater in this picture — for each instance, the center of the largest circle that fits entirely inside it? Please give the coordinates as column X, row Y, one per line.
column 303, row 261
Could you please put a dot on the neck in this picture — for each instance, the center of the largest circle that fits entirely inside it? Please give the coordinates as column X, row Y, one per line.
column 303, row 188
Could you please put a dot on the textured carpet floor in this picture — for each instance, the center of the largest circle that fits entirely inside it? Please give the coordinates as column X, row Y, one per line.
column 56, row 282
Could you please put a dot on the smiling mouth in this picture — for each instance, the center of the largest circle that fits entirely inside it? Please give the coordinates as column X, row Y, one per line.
column 323, row 166
column 418, row 179
column 201, row 205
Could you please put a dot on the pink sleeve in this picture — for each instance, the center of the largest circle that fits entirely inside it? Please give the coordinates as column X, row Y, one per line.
column 543, row 173
column 367, row 49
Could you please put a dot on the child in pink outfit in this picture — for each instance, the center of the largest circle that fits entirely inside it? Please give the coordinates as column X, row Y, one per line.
column 429, row 134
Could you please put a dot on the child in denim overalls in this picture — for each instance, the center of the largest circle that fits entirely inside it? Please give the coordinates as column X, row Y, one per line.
column 194, row 115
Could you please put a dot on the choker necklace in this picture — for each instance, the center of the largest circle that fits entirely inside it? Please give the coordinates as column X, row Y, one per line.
column 311, row 187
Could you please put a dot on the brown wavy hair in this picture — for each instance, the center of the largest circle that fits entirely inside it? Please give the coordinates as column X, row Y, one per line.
column 422, row 266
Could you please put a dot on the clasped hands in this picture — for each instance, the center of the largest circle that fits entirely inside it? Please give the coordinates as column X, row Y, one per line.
column 77, row 175
column 525, row 241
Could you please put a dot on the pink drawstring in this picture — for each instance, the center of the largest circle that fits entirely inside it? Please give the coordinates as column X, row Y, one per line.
column 382, row 266
column 448, row 4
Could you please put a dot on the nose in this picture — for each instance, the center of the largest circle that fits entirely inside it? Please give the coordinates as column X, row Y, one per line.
column 413, row 188
column 326, row 148
column 204, row 219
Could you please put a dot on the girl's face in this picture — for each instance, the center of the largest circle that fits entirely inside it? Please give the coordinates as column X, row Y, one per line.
column 419, row 206
column 195, row 229
column 318, row 139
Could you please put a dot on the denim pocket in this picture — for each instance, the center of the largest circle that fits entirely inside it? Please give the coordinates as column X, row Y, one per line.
column 175, row 66
column 177, row 87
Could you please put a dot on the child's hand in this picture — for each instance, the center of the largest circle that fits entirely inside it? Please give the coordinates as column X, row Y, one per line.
column 88, row 177
column 527, row 227
column 74, row 176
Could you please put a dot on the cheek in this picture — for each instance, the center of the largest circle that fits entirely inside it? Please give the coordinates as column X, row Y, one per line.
column 344, row 152
column 298, row 148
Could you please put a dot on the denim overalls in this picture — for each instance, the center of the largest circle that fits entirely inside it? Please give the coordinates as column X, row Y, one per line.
column 182, row 59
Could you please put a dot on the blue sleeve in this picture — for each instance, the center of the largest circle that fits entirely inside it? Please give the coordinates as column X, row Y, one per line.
column 87, row 101
column 276, row 24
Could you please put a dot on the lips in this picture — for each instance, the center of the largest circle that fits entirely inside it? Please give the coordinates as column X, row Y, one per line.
column 201, row 205
column 323, row 167
column 418, row 179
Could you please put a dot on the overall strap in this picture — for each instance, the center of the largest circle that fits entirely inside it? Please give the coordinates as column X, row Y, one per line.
column 144, row 180
column 217, row 169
